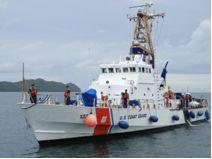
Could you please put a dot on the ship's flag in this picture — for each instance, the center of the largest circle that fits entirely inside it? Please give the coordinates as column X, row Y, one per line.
column 163, row 74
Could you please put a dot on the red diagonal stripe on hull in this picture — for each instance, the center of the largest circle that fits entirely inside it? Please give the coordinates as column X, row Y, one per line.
column 103, row 121
column 101, row 130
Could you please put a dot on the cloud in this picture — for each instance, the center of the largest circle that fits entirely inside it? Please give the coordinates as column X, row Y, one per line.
column 61, row 46
column 3, row 4
column 192, row 82
column 101, row 31
column 64, row 61
column 6, row 23
column 71, row 61
column 190, row 57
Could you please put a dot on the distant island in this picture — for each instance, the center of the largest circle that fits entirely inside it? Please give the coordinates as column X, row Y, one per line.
column 41, row 84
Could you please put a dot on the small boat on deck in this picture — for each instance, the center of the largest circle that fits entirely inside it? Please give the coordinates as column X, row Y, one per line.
column 151, row 103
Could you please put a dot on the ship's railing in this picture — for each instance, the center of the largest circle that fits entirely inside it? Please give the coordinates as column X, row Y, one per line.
column 143, row 104
column 41, row 99
column 192, row 104
column 133, row 58
column 115, row 102
column 172, row 103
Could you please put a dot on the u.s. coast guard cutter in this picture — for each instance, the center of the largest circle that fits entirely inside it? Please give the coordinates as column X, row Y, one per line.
column 151, row 105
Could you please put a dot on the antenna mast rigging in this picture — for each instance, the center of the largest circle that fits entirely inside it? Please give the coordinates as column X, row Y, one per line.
column 142, row 41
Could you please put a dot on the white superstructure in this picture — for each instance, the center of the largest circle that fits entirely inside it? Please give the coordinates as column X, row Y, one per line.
column 135, row 75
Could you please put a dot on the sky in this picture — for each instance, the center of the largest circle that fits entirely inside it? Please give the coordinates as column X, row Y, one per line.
column 66, row 40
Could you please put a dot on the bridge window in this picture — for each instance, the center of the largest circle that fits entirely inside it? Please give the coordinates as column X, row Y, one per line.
column 110, row 70
column 125, row 69
column 118, row 70
column 149, row 70
column 132, row 69
column 104, row 70
column 139, row 69
column 143, row 69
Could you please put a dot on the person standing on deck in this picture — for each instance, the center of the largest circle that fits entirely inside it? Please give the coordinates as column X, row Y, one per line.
column 187, row 99
column 126, row 99
column 181, row 102
column 67, row 95
column 33, row 94
column 122, row 99
column 102, row 100
column 166, row 97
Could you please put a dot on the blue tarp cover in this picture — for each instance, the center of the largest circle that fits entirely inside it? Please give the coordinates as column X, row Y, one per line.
column 71, row 102
column 134, row 102
column 89, row 98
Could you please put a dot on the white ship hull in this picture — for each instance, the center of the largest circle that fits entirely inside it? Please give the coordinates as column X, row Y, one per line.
column 55, row 122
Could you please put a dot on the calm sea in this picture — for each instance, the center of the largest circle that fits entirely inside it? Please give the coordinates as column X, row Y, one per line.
column 18, row 141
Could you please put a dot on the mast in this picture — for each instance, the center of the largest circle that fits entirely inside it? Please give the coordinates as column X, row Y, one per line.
column 142, row 40
column 23, row 84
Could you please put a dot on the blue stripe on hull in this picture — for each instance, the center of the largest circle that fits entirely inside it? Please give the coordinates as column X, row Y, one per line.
column 111, row 115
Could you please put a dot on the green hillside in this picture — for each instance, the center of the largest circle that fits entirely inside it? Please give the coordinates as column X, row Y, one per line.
column 41, row 84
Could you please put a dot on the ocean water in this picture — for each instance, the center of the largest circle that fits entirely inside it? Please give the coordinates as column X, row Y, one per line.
column 16, row 140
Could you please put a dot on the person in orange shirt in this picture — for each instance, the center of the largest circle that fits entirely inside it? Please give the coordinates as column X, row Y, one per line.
column 104, row 100
column 33, row 94
column 166, row 97
column 102, row 96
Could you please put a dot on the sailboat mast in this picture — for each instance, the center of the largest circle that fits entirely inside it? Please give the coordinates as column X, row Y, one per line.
column 23, row 83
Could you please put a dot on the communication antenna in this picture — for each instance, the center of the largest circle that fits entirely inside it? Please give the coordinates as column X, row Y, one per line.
column 187, row 89
column 140, row 6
